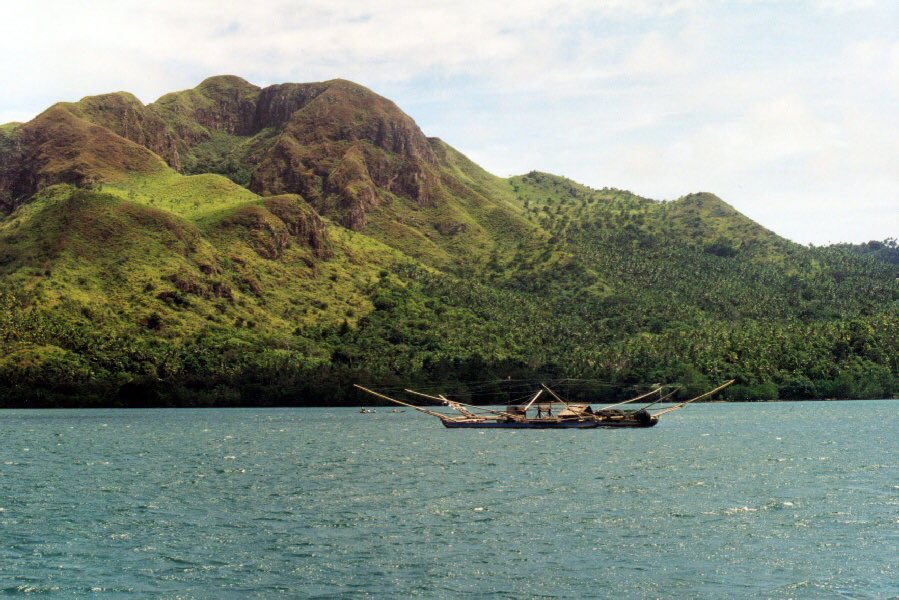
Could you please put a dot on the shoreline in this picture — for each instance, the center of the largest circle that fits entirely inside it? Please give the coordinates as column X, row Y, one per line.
column 375, row 405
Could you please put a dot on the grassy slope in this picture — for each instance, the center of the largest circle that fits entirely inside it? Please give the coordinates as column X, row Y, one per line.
column 535, row 270
column 128, row 261
column 472, row 221
column 7, row 130
column 209, row 273
column 470, row 218
column 195, row 197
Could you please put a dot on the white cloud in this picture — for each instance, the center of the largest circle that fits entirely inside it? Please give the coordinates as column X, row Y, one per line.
column 655, row 55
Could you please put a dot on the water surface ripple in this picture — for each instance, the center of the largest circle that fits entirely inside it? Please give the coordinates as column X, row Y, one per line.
column 789, row 500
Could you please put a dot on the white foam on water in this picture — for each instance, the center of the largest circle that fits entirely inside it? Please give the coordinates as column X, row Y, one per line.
column 740, row 509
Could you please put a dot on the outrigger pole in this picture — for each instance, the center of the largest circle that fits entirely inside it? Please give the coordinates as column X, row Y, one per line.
column 442, row 399
column 640, row 397
column 457, row 406
column 418, row 408
column 661, row 399
column 700, row 397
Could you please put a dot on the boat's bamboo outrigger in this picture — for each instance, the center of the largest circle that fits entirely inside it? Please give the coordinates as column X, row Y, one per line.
column 573, row 416
column 656, row 389
column 661, row 399
column 700, row 397
column 440, row 416
column 451, row 404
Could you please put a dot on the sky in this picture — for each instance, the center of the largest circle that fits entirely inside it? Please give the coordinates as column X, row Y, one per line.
column 789, row 111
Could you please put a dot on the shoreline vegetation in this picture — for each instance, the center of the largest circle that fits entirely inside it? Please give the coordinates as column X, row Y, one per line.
column 232, row 245
column 372, row 404
column 328, row 385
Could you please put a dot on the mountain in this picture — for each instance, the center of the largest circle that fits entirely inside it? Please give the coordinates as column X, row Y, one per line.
column 232, row 244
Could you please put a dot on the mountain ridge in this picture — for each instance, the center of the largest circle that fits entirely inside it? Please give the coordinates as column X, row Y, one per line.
column 231, row 242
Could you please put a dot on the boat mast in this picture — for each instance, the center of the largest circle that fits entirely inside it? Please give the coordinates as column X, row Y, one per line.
column 534, row 399
column 568, row 406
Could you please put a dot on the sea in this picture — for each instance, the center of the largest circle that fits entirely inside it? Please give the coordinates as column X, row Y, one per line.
column 768, row 500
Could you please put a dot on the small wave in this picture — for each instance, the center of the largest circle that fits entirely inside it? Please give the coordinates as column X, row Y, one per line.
column 778, row 505
column 33, row 589
column 739, row 509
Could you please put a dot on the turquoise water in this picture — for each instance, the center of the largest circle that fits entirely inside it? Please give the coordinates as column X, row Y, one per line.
column 789, row 500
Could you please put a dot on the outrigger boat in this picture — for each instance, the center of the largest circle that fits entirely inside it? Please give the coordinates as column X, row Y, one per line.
column 572, row 415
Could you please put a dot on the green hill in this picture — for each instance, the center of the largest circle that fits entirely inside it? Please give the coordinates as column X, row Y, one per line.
column 232, row 244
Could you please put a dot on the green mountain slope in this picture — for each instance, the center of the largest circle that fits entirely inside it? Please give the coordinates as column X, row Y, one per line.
column 232, row 244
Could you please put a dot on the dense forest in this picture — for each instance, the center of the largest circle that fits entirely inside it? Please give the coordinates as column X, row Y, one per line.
column 231, row 245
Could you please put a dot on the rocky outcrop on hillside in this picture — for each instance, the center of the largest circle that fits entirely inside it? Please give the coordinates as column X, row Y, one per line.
column 337, row 144
column 125, row 115
column 60, row 147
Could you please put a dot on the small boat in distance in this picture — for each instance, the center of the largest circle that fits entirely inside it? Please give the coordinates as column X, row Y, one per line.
column 553, row 413
column 366, row 411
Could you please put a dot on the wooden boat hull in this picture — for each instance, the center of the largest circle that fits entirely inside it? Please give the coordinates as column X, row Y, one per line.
column 519, row 425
